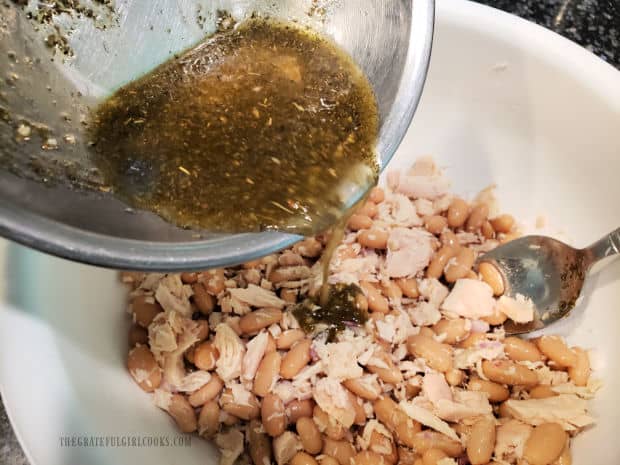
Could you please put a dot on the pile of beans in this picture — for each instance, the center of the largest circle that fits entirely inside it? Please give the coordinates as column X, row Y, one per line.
column 299, row 432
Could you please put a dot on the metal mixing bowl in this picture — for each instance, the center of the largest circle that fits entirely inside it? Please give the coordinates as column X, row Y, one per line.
column 57, row 62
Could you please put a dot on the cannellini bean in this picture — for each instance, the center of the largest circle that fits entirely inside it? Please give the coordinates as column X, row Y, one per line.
column 271, row 344
column 204, row 301
column 392, row 290
column 289, row 295
column 437, row 355
column 213, row 281
column 369, row 209
column 259, row 444
column 495, row 392
column 428, row 439
column 556, row 350
column 472, row 340
column 209, row 419
column 332, row 429
column 487, row 230
column 407, row 456
column 143, row 368
column 208, row 392
column 461, row 265
column 455, row 377
column 297, row 409
column 449, row 238
column 267, row 374
column 376, row 302
column 366, row 388
column 310, row 248
column 203, row 329
column 273, row 415
column 481, row 441
column 183, row 413
column 309, row 435
column 502, row 223
column 409, row 286
column 373, row 238
column 246, row 412
column 397, row 421
column 507, row 372
column 295, row 359
column 454, row 330
column 542, row 391
column 477, row 217
column 253, row 322
column 580, row 372
column 288, row 338
column 360, row 413
column 391, row 374
column 379, row 443
column 433, row 456
column 228, row 419
column 327, row 460
column 301, row 458
column 565, row 457
column 342, row 451
column 457, row 213
column 376, row 195
column 367, row 457
column 545, row 444
column 205, row 356
column 144, row 309
column 491, row 275
column 520, row 350
column 440, row 260
column 138, row 335
column 357, row 222
column 435, row 224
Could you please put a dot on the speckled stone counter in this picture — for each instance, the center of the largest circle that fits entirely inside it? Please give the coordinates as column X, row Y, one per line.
column 594, row 24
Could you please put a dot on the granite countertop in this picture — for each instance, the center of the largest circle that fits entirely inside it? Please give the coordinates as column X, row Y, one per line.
column 594, row 24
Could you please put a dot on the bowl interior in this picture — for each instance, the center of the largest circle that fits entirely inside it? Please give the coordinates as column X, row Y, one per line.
column 389, row 40
column 537, row 121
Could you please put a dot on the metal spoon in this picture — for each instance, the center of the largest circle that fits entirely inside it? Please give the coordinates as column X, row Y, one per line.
column 548, row 272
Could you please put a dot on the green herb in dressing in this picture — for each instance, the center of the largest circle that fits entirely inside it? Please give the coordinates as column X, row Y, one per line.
column 343, row 306
column 263, row 126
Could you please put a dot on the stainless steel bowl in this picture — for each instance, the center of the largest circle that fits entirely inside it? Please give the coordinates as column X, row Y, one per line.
column 52, row 200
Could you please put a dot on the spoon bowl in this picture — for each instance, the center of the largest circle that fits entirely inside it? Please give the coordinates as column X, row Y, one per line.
column 60, row 63
column 548, row 272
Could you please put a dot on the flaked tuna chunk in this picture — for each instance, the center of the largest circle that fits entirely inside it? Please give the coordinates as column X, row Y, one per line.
column 424, row 314
column 470, row 298
column 520, row 309
column 285, row 447
column 435, row 387
column 398, row 210
column 334, row 399
column 433, row 291
column 419, row 187
column 230, row 444
column 568, row 410
column 466, row 404
column 231, row 350
column 409, row 252
column 255, row 350
column 173, row 295
column 427, row 418
column 339, row 359
column 256, row 296
column 510, row 440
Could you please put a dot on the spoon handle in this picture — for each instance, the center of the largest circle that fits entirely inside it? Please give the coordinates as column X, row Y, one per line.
column 605, row 247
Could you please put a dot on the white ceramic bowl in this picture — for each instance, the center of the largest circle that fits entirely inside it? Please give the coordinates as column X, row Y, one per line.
column 506, row 102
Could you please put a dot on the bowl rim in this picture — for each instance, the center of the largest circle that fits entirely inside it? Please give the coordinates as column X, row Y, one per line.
column 98, row 249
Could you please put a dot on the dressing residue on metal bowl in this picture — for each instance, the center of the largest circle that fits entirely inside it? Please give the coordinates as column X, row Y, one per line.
column 262, row 126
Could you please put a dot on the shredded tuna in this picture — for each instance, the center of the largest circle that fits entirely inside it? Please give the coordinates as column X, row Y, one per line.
column 470, row 298
column 427, row 418
column 255, row 350
column 409, row 252
column 568, row 410
column 285, row 447
column 510, row 440
column 520, row 309
column 435, row 388
column 231, row 349
column 231, row 446
column 334, row 399
column 174, row 296
column 194, row 381
column 424, row 314
column 257, row 297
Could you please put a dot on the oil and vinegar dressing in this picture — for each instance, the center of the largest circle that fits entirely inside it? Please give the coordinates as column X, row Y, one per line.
column 263, row 126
